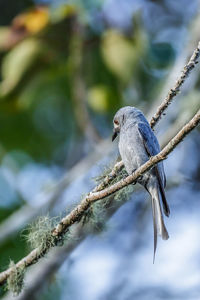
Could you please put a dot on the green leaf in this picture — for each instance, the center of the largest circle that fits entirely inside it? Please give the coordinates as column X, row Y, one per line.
column 16, row 63
column 119, row 54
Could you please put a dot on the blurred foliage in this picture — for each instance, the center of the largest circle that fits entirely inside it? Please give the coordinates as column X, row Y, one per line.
column 54, row 65
column 11, row 9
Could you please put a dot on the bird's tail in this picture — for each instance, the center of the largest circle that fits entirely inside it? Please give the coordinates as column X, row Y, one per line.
column 158, row 222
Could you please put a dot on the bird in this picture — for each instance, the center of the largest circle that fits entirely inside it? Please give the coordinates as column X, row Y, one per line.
column 137, row 143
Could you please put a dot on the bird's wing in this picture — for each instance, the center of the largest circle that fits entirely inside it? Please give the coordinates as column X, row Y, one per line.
column 149, row 139
column 152, row 147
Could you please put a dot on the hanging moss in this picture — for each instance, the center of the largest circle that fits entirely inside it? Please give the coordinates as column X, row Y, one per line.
column 15, row 281
column 40, row 233
column 95, row 215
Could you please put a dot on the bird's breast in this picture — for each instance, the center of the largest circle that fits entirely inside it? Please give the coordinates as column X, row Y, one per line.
column 132, row 149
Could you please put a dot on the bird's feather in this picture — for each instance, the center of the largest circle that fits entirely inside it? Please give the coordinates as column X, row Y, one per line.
column 152, row 147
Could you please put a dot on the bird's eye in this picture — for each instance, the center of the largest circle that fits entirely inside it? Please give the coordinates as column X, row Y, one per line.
column 116, row 122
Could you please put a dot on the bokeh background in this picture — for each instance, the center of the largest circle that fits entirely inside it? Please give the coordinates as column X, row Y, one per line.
column 65, row 69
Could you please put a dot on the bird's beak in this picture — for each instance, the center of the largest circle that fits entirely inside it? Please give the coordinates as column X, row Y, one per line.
column 115, row 134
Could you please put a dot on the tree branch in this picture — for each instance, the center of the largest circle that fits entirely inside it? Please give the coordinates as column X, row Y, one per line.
column 81, row 209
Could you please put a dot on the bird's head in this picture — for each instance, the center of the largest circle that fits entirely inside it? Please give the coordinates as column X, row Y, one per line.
column 123, row 116
column 116, row 129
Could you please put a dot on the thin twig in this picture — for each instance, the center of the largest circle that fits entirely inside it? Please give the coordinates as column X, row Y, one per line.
column 79, row 211
column 176, row 89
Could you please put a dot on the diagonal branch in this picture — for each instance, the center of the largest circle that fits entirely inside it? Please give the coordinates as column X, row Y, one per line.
column 80, row 210
column 176, row 89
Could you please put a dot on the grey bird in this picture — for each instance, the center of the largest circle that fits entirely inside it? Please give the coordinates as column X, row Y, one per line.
column 137, row 143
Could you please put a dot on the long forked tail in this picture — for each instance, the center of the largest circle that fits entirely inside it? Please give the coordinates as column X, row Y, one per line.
column 158, row 222
column 162, row 192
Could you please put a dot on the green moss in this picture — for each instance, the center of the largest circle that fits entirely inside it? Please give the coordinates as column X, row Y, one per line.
column 95, row 214
column 105, row 171
column 15, row 281
column 39, row 233
column 94, row 217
